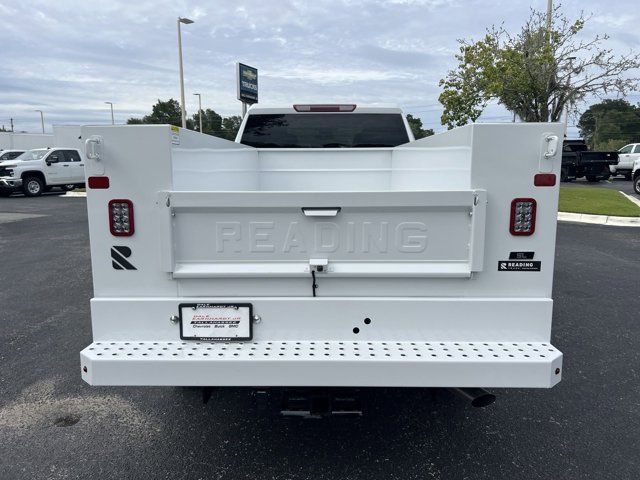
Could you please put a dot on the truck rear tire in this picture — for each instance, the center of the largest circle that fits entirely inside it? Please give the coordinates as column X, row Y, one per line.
column 32, row 186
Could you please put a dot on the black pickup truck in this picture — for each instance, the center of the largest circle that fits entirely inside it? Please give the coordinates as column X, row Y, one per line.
column 578, row 161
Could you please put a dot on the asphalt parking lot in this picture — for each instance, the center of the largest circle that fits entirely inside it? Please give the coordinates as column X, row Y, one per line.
column 52, row 425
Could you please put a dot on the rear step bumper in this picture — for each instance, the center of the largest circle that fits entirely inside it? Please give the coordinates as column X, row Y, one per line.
column 320, row 363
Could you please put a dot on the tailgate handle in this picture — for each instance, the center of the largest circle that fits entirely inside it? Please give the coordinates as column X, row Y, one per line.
column 320, row 211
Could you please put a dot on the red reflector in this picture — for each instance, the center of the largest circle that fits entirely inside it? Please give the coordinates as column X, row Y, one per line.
column 325, row 108
column 98, row 182
column 544, row 180
column 121, row 217
column 523, row 216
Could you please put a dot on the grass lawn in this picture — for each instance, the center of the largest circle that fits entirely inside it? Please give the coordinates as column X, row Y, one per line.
column 597, row 201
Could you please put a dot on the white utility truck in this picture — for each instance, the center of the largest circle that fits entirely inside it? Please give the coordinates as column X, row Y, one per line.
column 323, row 248
column 24, row 141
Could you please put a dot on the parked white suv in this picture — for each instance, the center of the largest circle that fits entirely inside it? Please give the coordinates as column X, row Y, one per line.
column 36, row 171
column 627, row 155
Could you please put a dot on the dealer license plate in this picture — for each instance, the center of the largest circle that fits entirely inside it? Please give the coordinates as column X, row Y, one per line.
column 215, row 322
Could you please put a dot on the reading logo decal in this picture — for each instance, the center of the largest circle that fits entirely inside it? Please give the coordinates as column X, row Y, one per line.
column 518, row 266
column 119, row 255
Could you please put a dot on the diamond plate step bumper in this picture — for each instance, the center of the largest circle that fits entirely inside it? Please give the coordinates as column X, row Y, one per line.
column 320, row 363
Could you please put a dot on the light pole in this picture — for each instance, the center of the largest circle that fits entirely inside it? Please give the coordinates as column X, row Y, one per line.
column 41, row 118
column 111, row 104
column 199, row 109
column 186, row 21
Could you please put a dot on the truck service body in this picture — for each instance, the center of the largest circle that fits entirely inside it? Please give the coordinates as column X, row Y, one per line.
column 305, row 256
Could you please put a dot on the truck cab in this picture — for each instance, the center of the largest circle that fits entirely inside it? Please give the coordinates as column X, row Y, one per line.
column 37, row 170
column 324, row 248
column 627, row 157
column 324, row 126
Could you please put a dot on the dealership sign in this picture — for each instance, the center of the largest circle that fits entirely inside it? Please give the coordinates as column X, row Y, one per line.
column 247, row 78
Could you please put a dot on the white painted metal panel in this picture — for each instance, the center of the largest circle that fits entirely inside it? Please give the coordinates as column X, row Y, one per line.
column 372, row 234
column 323, row 363
column 323, row 318
column 24, row 141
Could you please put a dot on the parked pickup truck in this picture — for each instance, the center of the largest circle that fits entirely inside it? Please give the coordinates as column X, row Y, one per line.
column 10, row 154
column 627, row 157
column 635, row 176
column 38, row 170
column 324, row 248
column 578, row 161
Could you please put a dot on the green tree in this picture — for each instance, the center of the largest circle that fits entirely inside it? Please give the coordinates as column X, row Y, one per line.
column 211, row 122
column 230, row 126
column 535, row 73
column 610, row 124
column 415, row 124
column 168, row 112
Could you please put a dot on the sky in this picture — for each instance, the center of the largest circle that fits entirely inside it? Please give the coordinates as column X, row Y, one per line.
column 68, row 57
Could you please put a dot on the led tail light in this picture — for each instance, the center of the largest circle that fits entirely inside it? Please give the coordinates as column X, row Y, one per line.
column 523, row 216
column 121, row 218
column 325, row 108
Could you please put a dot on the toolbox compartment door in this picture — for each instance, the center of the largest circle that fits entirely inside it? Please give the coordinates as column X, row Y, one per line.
column 349, row 234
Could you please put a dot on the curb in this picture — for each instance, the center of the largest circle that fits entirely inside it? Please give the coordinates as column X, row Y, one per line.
column 75, row 194
column 599, row 219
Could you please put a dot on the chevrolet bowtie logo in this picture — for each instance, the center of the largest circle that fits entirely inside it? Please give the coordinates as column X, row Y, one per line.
column 249, row 75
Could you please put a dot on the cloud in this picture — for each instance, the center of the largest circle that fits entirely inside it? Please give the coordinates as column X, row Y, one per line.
column 70, row 56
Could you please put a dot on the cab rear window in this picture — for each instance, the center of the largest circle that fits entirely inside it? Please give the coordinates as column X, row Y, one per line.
column 325, row 130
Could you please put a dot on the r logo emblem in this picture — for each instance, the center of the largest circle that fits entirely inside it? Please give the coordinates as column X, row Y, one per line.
column 119, row 255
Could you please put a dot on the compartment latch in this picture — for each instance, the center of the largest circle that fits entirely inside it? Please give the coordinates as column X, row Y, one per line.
column 318, row 265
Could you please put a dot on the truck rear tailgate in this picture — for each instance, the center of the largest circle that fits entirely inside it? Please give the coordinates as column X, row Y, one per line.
column 275, row 234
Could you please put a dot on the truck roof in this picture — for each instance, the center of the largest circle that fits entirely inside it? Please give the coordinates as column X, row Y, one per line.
column 359, row 109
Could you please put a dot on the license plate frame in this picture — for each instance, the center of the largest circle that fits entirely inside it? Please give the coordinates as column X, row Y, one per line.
column 227, row 314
